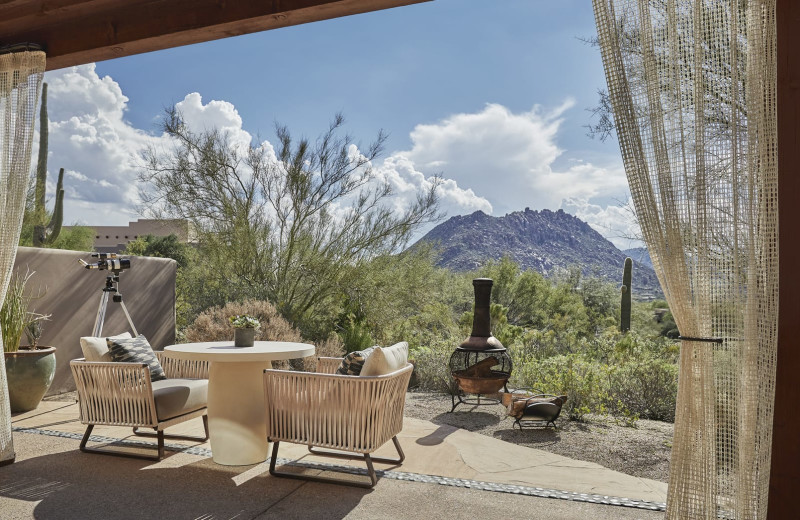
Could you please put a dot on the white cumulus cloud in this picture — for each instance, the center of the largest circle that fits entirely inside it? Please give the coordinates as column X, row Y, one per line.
column 219, row 115
column 501, row 161
column 616, row 222
column 407, row 182
column 508, row 158
column 98, row 149
column 494, row 160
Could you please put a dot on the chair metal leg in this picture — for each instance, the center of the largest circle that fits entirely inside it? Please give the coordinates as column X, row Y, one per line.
column 371, row 470
column 345, row 455
column 136, row 431
column 86, row 449
column 160, row 444
column 86, row 435
column 373, row 477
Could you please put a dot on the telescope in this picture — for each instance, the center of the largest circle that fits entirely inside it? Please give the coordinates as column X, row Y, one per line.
column 107, row 261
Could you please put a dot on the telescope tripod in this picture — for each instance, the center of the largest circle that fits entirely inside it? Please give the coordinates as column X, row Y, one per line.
column 112, row 281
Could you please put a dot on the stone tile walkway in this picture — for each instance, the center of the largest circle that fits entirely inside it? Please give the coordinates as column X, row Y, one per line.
column 441, row 455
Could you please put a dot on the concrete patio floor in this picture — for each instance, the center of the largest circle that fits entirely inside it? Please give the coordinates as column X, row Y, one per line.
column 447, row 473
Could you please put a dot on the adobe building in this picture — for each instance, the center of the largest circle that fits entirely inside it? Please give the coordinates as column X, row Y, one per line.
column 113, row 239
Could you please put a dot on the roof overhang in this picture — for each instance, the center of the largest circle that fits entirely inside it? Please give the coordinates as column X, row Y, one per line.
column 73, row 32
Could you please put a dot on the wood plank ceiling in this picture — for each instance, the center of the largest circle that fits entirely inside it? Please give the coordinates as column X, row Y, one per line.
column 73, row 32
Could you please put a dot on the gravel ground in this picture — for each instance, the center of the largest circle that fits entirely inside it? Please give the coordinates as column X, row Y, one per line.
column 642, row 451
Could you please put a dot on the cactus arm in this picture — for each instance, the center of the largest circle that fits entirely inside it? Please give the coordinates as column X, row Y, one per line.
column 54, row 226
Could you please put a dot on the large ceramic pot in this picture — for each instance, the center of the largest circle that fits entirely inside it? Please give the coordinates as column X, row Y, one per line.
column 30, row 373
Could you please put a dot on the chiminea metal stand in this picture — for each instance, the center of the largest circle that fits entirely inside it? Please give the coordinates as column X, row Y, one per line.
column 480, row 365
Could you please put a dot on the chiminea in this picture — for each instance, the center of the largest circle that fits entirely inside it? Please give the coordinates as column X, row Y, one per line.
column 480, row 365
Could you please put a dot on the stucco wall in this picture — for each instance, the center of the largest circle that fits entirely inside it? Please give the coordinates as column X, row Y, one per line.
column 73, row 296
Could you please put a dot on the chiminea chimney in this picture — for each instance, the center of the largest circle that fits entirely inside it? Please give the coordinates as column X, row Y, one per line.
column 481, row 338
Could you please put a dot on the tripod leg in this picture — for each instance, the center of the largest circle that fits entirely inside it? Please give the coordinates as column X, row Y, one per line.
column 101, row 315
column 130, row 321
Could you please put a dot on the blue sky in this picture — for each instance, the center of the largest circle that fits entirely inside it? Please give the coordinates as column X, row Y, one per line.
column 490, row 95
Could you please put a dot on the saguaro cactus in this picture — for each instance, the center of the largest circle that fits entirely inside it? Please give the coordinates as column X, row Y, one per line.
column 46, row 234
column 625, row 307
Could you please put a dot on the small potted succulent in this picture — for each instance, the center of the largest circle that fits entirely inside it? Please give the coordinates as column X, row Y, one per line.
column 244, row 330
column 29, row 369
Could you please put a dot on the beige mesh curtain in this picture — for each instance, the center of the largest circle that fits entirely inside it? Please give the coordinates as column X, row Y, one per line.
column 21, row 72
column 693, row 85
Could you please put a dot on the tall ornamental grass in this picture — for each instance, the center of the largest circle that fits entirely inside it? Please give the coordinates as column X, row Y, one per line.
column 14, row 315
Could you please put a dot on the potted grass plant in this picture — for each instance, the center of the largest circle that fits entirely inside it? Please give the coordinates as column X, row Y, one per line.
column 29, row 369
column 244, row 327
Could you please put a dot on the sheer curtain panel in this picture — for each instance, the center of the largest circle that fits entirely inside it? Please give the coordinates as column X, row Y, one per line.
column 21, row 72
column 692, row 84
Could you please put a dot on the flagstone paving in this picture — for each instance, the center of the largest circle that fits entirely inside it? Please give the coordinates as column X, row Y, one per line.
column 443, row 455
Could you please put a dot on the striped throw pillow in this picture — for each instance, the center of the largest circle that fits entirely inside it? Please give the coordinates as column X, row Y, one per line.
column 136, row 350
column 354, row 362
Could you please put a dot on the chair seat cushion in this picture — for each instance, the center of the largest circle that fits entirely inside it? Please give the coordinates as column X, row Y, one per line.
column 176, row 397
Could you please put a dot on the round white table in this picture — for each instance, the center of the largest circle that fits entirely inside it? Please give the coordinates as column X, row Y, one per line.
column 237, row 414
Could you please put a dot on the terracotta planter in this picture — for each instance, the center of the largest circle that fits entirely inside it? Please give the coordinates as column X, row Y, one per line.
column 30, row 373
column 244, row 337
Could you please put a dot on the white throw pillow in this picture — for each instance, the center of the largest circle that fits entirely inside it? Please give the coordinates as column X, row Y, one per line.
column 386, row 360
column 96, row 349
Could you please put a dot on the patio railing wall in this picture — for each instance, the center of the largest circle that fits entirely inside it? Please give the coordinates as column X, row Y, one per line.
column 73, row 296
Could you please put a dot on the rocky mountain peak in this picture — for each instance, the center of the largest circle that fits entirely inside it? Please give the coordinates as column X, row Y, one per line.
column 542, row 240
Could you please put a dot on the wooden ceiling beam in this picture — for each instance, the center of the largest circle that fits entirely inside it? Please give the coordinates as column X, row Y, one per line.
column 73, row 32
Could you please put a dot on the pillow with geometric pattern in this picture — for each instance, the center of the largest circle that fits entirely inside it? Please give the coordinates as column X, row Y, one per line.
column 353, row 362
column 136, row 350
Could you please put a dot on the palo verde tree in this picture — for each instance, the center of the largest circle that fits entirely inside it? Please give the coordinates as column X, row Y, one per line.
column 288, row 225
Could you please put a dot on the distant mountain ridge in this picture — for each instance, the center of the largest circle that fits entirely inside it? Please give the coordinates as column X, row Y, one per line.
column 639, row 254
column 540, row 240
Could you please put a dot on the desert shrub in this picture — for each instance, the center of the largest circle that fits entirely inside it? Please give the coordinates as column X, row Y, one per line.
column 213, row 324
column 331, row 347
column 616, row 348
column 582, row 381
column 77, row 238
column 646, row 387
column 433, row 365
column 352, row 329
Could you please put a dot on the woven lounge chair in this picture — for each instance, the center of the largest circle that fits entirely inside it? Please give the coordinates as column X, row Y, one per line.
column 121, row 394
column 355, row 415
